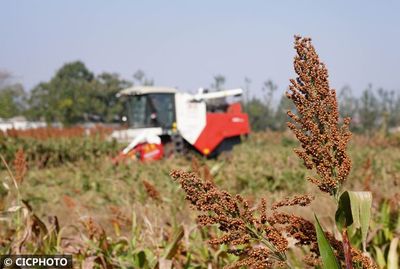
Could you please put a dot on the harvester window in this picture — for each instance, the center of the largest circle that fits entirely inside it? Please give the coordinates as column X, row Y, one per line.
column 151, row 110
column 136, row 107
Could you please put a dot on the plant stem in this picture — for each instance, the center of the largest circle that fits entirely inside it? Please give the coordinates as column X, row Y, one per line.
column 17, row 189
column 347, row 249
column 275, row 253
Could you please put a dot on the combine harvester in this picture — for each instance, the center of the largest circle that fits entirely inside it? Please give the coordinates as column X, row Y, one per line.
column 163, row 121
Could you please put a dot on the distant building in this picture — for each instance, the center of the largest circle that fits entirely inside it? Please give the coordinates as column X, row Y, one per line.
column 394, row 130
column 20, row 123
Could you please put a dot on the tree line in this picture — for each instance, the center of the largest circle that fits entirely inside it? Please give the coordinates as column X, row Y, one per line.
column 76, row 95
column 374, row 109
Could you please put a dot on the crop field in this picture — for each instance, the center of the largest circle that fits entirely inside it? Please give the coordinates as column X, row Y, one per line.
column 312, row 196
column 133, row 215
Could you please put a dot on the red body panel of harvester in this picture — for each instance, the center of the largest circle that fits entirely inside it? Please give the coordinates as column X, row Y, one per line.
column 220, row 126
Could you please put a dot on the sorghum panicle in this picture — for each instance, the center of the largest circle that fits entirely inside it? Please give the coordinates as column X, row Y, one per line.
column 20, row 166
column 265, row 245
column 151, row 190
column 316, row 123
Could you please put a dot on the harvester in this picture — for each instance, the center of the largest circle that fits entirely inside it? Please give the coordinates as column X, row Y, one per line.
column 162, row 121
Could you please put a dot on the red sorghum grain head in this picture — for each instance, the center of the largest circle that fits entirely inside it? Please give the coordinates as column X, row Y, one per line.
column 20, row 166
column 264, row 245
column 316, row 121
column 301, row 200
column 152, row 191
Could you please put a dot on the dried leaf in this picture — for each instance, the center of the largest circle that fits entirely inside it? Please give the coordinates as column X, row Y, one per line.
column 165, row 264
column 393, row 256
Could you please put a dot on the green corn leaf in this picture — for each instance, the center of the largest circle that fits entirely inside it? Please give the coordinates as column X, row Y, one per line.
column 393, row 256
column 328, row 257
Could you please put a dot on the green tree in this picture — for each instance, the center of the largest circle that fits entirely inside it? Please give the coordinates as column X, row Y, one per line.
column 389, row 109
column 75, row 95
column 217, row 85
column 257, row 112
column 260, row 110
column 66, row 97
column 219, row 82
column 246, row 94
column 348, row 103
column 141, row 78
column 369, row 111
column 11, row 101
column 105, row 105
column 39, row 102
column 281, row 118
column 269, row 88
column 12, row 97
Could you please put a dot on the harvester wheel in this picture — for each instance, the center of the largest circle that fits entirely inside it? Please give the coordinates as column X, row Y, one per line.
column 226, row 146
column 179, row 143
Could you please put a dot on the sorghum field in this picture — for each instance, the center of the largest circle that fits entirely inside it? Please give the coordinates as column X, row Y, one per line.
column 314, row 196
column 134, row 215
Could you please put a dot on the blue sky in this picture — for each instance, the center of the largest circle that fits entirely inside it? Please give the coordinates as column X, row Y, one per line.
column 186, row 43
